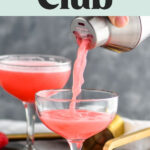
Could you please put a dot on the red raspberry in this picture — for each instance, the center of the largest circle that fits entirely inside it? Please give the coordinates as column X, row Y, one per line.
column 3, row 140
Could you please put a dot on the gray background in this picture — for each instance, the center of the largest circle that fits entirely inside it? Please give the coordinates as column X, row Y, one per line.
column 128, row 73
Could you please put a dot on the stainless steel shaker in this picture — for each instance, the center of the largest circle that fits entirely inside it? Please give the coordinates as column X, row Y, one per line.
column 103, row 33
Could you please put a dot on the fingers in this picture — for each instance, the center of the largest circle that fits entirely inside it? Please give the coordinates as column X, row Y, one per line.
column 119, row 21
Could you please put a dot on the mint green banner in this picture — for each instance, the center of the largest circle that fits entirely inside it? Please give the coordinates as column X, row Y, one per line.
column 34, row 8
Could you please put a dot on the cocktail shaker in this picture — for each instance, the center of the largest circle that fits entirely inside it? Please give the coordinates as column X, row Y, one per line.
column 102, row 33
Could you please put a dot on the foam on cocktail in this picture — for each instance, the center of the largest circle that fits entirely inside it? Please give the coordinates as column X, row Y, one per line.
column 34, row 66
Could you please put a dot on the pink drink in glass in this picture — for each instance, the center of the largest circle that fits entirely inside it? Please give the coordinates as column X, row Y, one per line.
column 82, row 125
column 24, row 84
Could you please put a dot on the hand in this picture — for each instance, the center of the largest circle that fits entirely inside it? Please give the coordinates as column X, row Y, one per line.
column 119, row 21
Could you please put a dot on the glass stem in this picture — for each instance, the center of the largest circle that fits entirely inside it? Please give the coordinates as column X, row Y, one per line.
column 75, row 144
column 30, row 117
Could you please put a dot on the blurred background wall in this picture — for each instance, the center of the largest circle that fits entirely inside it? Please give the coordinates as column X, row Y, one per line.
column 128, row 73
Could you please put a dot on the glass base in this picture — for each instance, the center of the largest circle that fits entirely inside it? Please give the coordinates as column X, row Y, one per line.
column 29, row 147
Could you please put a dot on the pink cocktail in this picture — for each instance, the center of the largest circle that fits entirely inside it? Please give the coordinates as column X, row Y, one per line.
column 24, row 83
column 93, row 112
column 80, row 125
column 24, row 75
column 77, row 114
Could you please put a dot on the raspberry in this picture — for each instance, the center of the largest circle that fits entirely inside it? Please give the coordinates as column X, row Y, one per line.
column 3, row 140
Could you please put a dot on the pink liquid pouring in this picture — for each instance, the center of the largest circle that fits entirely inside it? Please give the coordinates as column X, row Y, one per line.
column 78, row 71
column 72, row 123
column 23, row 83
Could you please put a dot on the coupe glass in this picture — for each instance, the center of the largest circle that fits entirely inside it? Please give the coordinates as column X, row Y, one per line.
column 94, row 110
column 24, row 75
